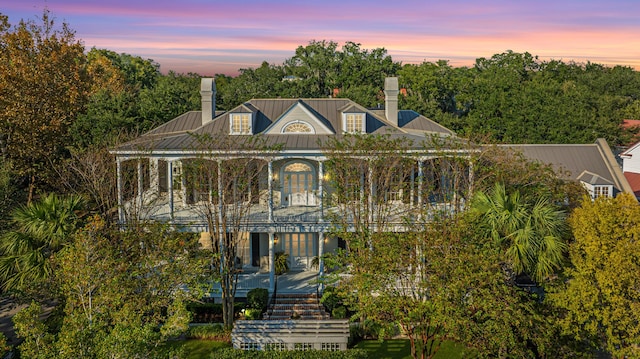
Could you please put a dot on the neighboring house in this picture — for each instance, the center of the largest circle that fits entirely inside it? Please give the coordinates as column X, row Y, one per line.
column 631, row 167
column 593, row 165
column 284, row 204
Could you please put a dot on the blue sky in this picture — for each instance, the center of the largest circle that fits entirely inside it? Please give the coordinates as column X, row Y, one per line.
column 212, row 36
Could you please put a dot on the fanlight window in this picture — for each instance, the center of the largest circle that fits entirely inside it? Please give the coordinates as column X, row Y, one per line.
column 297, row 167
column 298, row 127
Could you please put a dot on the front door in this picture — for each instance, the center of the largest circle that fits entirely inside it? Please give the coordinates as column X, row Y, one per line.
column 297, row 185
column 301, row 248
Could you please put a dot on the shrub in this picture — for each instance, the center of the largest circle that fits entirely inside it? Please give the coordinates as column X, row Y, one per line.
column 252, row 314
column 330, row 299
column 258, row 298
column 281, row 263
column 209, row 332
column 339, row 312
column 210, row 312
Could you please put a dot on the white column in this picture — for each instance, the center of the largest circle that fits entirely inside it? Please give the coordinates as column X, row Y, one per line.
column 221, row 227
column 320, row 259
column 270, row 190
column 183, row 185
column 154, row 181
column 370, row 198
column 321, row 188
column 170, row 186
column 119, row 185
column 471, row 179
column 420, row 179
column 272, row 265
column 320, row 253
column 140, row 182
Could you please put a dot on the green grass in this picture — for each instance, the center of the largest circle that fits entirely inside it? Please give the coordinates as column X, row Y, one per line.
column 200, row 349
column 401, row 349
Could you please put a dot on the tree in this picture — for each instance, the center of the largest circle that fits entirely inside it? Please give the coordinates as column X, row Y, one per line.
column 124, row 100
column 531, row 234
column 124, row 293
column 43, row 88
column 225, row 187
column 600, row 296
column 37, row 232
column 387, row 220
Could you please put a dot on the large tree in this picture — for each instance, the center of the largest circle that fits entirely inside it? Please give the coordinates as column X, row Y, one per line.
column 601, row 296
column 43, row 88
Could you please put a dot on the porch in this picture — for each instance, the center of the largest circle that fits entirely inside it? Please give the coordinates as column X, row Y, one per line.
column 304, row 282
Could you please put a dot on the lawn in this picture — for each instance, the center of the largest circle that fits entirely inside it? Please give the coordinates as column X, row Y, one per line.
column 401, row 349
column 201, row 349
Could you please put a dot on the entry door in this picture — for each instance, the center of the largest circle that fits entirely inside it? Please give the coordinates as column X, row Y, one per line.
column 301, row 248
column 298, row 185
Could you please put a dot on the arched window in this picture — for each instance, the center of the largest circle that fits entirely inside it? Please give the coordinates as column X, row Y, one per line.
column 298, row 127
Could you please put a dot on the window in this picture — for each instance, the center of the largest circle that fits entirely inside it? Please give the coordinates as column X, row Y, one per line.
column 353, row 122
column 298, row 127
column 240, row 124
column 333, row 347
column 601, row 191
column 249, row 346
column 303, row 346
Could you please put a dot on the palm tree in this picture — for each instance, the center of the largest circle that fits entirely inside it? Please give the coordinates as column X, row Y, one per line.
column 39, row 230
column 530, row 233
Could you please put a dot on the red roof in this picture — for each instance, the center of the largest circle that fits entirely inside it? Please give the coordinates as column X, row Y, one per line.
column 634, row 182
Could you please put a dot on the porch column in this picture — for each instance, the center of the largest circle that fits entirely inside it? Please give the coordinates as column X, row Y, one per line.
column 370, row 197
column 321, row 188
column 270, row 190
column 140, row 182
column 420, row 179
column 221, row 227
column 170, row 186
column 272, row 265
column 470, row 179
column 119, row 186
column 320, row 253
column 183, row 185
column 412, row 191
column 154, row 181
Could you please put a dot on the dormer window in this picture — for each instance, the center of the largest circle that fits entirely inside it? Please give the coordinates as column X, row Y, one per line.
column 602, row 191
column 240, row 124
column 353, row 122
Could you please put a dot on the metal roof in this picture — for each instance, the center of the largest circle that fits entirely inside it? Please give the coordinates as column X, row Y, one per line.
column 571, row 160
column 181, row 132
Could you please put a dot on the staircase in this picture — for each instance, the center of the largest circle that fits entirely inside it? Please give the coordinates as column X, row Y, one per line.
column 299, row 306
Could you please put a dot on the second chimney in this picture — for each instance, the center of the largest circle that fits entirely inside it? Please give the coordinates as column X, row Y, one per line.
column 391, row 90
column 208, row 93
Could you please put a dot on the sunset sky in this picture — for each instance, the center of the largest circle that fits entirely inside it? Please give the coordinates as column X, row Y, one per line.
column 212, row 36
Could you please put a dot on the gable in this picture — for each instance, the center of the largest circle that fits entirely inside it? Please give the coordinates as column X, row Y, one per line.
column 298, row 116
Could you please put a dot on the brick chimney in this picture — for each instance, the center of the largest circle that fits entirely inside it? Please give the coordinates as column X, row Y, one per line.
column 391, row 90
column 208, row 93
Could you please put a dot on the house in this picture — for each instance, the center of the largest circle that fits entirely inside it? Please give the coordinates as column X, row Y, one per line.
column 592, row 165
column 631, row 167
column 259, row 170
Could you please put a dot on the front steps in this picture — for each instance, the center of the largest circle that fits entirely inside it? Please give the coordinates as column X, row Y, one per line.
column 296, row 306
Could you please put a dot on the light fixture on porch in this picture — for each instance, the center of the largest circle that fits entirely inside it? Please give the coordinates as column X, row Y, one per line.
column 275, row 239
